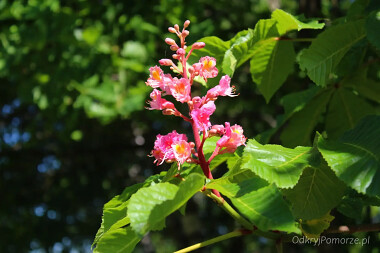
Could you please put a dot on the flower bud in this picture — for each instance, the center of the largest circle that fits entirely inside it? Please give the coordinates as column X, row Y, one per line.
column 198, row 45
column 217, row 130
column 176, row 27
column 185, row 33
column 172, row 30
column 174, row 47
column 175, row 56
column 191, row 70
column 186, row 24
column 165, row 62
column 181, row 51
column 170, row 41
column 168, row 112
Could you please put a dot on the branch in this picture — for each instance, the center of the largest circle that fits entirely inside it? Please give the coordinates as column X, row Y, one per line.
column 350, row 229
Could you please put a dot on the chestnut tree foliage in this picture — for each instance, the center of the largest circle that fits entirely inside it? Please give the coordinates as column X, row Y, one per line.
column 275, row 191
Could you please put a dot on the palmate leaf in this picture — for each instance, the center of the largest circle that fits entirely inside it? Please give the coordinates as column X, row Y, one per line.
column 327, row 50
column 276, row 164
column 355, row 158
column 316, row 193
column 260, row 203
column 121, row 240
column 344, row 111
column 149, row 206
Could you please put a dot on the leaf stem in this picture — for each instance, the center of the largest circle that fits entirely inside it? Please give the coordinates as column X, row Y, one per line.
column 213, row 240
column 241, row 220
column 221, row 202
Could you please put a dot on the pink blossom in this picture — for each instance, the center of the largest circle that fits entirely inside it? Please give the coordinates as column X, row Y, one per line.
column 163, row 147
column 182, row 151
column 180, row 89
column 207, row 68
column 232, row 138
column 201, row 116
column 155, row 77
column 159, row 103
column 222, row 89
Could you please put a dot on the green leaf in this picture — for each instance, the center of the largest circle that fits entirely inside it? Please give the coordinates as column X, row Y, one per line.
column 312, row 229
column 215, row 47
column 302, row 123
column 276, row 164
column 243, row 47
column 122, row 240
column 316, row 193
column 327, row 50
column 353, row 205
column 363, row 85
column 149, row 206
column 116, row 210
column 271, row 65
column 295, row 102
column 286, row 22
column 356, row 157
column 372, row 28
column 260, row 203
column 344, row 111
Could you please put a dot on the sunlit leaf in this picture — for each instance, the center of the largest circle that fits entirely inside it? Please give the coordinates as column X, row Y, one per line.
column 326, row 51
column 355, row 158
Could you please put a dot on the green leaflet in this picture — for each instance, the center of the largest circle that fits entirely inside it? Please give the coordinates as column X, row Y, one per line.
column 372, row 28
column 261, row 203
column 276, row 164
column 327, row 50
column 353, row 204
column 316, row 193
column 344, row 111
column 295, row 102
column 115, row 210
column 363, row 85
column 292, row 103
column 245, row 46
column 306, row 120
column 271, row 65
column 355, row 158
column 121, row 240
column 286, row 22
column 313, row 228
column 149, row 206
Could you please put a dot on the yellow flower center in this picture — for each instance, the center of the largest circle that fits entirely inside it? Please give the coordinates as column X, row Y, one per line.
column 156, row 75
column 180, row 148
column 207, row 65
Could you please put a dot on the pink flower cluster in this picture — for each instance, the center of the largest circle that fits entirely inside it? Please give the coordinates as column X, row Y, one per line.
column 173, row 146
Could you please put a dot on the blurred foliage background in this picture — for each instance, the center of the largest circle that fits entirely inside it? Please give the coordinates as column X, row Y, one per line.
column 73, row 129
